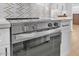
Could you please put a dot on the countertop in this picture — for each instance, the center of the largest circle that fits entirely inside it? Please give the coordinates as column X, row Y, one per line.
column 58, row 18
column 64, row 18
column 41, row 20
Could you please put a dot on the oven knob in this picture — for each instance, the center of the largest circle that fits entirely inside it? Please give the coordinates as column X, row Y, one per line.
column 55, row 24
column 49, row 24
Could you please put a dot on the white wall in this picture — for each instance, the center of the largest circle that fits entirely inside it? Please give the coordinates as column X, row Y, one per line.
column 75, row 8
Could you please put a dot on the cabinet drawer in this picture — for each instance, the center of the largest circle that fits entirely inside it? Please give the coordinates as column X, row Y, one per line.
column 65, row 23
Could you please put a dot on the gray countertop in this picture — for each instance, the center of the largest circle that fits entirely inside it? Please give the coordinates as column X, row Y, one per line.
column 5, row 24
column 59, row 18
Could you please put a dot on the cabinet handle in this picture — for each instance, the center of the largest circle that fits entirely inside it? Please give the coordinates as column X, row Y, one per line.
column 0, row 40
column 65, row 25
column 5, row 51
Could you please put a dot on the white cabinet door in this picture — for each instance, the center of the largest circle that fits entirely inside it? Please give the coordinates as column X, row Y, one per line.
column 65, row 8
column 4, row 36
column 66, row 34
column 5, row 50
column 66, row 25
column 2, row 51
column 65, row 46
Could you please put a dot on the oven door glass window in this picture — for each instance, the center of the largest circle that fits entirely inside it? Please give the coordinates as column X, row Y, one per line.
column 41, row 46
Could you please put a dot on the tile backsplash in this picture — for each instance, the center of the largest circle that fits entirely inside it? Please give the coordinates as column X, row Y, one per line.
column 22, row 10
column 26, row 10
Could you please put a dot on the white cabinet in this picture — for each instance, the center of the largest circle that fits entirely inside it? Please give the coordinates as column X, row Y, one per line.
column 4, row 36
column 61, row 9
column 65, row 8
column 66, row 31
column 5, row 50
column 4, row 42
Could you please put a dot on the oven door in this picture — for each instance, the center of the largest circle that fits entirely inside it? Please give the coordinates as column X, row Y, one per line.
column 42, row 46
column 43, row 49
column 39, row 47
column 34, row 47
column 49, row 47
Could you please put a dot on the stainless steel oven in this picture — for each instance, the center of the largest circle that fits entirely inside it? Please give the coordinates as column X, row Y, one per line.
column 35, row 37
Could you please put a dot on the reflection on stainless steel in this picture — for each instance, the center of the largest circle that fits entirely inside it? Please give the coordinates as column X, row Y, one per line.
column 35, row 37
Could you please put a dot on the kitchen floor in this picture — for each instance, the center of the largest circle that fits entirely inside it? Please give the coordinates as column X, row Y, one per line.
column 74, row 51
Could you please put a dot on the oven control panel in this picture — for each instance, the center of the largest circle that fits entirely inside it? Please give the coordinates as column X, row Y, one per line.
column 27, row 27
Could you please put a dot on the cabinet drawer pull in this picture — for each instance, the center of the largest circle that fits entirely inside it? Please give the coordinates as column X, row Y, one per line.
column 65, row 25
column 5, row 51
column 0, row 40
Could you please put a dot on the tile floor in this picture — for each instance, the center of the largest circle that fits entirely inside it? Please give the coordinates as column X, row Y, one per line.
column 74, row 51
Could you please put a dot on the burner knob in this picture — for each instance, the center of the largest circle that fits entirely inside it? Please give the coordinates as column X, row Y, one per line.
column 56, row 24
column 49, row 24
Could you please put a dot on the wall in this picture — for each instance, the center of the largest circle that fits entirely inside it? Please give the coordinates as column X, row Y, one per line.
column 23, row 10
column 75, row 8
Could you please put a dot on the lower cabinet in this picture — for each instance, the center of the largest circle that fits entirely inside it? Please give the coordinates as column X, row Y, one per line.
column 65, row 37
column 5, row 50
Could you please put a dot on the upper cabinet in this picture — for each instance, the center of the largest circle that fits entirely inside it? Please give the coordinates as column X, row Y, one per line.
column 65, row 8
column 60, row 9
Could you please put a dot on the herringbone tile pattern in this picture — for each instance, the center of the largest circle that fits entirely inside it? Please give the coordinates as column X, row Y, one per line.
column 23, row 10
